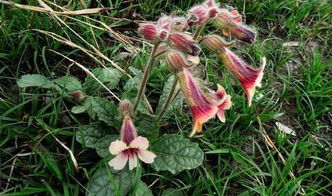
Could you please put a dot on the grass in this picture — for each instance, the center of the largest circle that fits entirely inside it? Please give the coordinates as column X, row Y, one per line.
column 296, row 91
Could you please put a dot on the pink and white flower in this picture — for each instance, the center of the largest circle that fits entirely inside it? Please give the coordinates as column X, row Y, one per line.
column 130, row 148
column 249, row 77
column 203, row 102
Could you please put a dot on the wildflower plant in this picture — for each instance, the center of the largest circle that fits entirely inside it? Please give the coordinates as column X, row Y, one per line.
column 177, row 41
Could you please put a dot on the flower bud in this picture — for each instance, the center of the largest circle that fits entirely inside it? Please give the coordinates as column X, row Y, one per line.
column 184, row 42
column 199, row 15
column 244, row 34
column 149, row 31
column 176, row 60
column 77, row 95
column 215, row 42
column 125, row 107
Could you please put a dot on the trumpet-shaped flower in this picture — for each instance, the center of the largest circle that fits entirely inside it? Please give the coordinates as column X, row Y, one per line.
column 249, row 77
column 130, row 147
column 204, row 103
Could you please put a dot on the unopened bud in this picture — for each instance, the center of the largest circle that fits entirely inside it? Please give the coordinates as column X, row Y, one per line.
column 215, row 42
column 125, row 107
column 77, row 95
column 176, row 60
column 184, row 42
column 149, row 31
column 244, row 34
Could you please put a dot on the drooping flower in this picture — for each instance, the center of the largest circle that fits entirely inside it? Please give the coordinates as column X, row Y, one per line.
column 177, row 60
column 249, row 77
column 131, row 147
column 184, row 42
column 231, row 23
column 204, row 103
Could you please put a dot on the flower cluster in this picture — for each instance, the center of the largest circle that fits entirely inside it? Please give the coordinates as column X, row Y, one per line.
column 174, row 43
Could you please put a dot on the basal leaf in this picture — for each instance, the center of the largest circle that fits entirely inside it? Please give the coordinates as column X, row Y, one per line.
column 108, row 76
column 176, row 104
column 176, row 153
column 88, row 135
column 106, row 182
column 106, row 110
column 35, row 80
column 102, row 144
column 69, row 83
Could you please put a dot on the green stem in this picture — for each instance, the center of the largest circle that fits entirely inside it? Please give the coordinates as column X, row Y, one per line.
column 145, row 76
column 169, row 99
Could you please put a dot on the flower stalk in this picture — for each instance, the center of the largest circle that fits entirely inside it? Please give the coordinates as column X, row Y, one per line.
column 145, row 76
column 170, row 99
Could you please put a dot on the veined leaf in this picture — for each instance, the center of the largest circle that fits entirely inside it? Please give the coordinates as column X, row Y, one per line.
column 176, row 153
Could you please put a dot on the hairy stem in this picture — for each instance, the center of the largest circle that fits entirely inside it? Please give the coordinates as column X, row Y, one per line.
column 169, row 100
column 145, row 76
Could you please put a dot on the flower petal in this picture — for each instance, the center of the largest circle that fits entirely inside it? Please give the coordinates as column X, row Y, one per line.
column 146, row 156
column 249, row 77
column 140, row 142
column 117, row 146
column 132, row 161
column 119, row 161
column 197, row 127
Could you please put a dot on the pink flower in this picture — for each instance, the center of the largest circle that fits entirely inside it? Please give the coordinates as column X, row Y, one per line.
column 249, row 77
column 225, row 103
column 130, row 147
column 184, row 42
column 177, row 60
column 149, row 31
column 204, row 103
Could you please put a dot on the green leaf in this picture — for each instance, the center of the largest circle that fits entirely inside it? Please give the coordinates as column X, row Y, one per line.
column 69, row 83
column 108, row 76
column 106, row 110
column 176, row 153
column 35, row 80
column 106, row 182
column 102, row 144
column 176, row 104
column 88, row 135
column 142, row 189
column 172, row 192
column 147, row 126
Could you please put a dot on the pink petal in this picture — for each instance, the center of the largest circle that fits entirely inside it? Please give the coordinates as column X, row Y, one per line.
column 146, row 156
column 119, row 161
column 117, row 146
column 132, row 161
column 140, row 142
column 221, row 115
column 249, row 77
column 128, row 130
